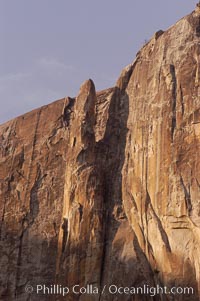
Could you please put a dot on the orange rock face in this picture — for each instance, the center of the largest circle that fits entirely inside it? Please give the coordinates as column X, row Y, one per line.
column 104, row 189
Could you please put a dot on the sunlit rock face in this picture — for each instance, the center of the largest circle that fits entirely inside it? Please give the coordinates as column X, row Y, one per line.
column 104, row 188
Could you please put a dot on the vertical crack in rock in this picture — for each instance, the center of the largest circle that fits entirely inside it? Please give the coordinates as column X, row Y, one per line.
column 19, row 257
column 182, row 100
column 187, row 194
column 32, row 155
column 174, row 96
column 34, row 203
column 65, row 233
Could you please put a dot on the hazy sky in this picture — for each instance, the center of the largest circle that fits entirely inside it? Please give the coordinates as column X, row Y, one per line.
column 49, row 47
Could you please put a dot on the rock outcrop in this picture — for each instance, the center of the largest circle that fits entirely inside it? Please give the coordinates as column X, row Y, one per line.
column 104, row 188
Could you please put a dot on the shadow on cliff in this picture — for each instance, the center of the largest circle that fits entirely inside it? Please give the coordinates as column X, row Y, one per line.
column 136, row 271
column 132, row 269
column 111, row 153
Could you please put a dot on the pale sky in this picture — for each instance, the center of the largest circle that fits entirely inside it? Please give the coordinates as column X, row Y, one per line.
column 49, row 47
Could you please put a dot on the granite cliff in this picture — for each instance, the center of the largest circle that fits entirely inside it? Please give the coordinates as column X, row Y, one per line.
column 104, row 188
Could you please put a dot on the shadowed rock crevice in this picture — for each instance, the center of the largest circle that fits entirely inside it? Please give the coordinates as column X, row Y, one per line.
column 174, row 98
column 111, row 150
column 68, row 110
column 187, row 193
